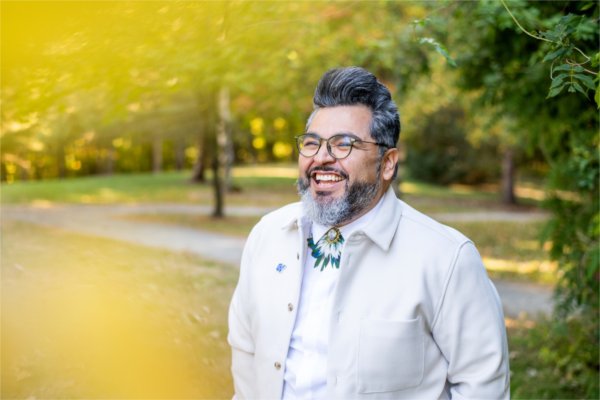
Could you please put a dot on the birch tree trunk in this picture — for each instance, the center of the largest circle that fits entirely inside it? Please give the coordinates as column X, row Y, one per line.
column 224, row 137
column 199, row 169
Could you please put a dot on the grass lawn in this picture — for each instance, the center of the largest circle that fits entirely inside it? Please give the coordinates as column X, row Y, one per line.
column 272, row 189
column 84, row 317
column 269, row 185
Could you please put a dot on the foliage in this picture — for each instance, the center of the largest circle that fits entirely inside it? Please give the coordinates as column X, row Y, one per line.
column 119, row 86
column 509, row 69
column 568, row 74
column 441, row 153
column 555, row 360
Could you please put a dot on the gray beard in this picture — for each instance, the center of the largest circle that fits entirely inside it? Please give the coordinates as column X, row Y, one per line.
column 330, row 211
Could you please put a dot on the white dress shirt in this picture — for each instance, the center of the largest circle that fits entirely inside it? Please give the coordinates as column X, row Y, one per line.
column 306, row 364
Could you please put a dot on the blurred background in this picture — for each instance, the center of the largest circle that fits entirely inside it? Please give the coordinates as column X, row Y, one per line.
column 140, row 142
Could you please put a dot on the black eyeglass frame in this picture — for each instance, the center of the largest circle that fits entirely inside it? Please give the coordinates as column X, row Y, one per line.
column 352, row 140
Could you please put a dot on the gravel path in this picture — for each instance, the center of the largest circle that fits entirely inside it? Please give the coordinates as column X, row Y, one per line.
column 104, row 221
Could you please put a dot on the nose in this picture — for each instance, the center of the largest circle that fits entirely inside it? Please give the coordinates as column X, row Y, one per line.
column 323, row 156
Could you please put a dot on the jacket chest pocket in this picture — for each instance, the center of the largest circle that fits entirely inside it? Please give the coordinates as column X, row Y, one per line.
column 390, row 355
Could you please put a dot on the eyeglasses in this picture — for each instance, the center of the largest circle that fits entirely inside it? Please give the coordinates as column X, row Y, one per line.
column 338, row 146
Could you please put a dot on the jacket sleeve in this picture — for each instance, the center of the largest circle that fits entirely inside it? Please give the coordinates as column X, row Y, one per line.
column 240, row 336
column 469, row 330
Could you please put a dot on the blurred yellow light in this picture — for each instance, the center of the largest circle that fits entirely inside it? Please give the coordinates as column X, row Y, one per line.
column 256, row 126
column 292, row 55
column 11, row 168
column 279, row 123
column 35, row 145
column 134, row 107
column 100, row 331
column 89, row 136
column 259, row 143
column 282, row 149
column 191, row 153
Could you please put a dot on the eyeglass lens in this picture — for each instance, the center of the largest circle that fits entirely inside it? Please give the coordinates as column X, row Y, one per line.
column 339, row 146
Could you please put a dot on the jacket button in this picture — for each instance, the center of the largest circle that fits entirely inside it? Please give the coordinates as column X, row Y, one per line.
column 290, row 307
column 277, row 365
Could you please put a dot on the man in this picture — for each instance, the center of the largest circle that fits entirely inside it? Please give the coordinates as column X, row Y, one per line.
column 352, row 294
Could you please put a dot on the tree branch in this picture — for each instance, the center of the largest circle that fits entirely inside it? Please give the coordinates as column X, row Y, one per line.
column 521, row 27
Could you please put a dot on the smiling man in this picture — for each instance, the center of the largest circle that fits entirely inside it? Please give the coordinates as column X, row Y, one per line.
column 353, row 294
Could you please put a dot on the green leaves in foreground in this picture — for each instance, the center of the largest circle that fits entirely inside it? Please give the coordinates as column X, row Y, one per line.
column 573, row 78
column 572, row 74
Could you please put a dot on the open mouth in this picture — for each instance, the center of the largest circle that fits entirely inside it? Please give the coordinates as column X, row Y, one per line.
column 325, row 179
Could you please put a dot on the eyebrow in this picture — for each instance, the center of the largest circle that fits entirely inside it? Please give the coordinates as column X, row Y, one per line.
column 351, row 134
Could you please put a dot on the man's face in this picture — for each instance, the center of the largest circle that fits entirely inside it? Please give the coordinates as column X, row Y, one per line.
column 341, row 190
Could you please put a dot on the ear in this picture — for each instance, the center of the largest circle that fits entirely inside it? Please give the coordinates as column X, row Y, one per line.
column 390, row 159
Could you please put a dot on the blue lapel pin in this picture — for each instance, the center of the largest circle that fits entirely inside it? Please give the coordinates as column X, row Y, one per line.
column 280, row 267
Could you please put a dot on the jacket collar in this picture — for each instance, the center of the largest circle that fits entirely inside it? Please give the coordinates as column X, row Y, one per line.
column 381, row 229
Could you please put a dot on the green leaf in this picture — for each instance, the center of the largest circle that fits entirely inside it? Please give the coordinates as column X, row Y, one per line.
column 587, row 6
column 597, row 96
column 551, row 35
column 578, row 87
column 438, row 48
column 557, row 54
column 586, row 80
column 563, row 67
column 555, row 91
column 558, row 80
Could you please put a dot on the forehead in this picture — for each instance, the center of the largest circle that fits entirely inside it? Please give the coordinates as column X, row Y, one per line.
column 330, row 121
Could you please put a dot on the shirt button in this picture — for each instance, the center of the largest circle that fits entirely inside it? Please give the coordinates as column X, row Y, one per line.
column 297, row 256
column 290, row 307
column 277, row 365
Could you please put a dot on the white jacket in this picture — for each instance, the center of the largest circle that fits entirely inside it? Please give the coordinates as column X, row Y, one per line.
column 414, row 316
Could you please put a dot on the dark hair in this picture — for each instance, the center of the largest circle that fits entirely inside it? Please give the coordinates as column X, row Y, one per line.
column 352, row 86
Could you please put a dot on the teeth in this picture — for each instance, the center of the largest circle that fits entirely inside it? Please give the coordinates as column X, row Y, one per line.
column 328, row 178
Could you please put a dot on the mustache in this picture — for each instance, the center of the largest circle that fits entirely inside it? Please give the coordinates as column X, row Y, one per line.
column 326, row 169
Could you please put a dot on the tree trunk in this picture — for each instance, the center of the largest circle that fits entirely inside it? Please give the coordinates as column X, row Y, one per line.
column 218, row 189
column 508, row 178
column 199, row 169
column 224, row 137
column 157, row 156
